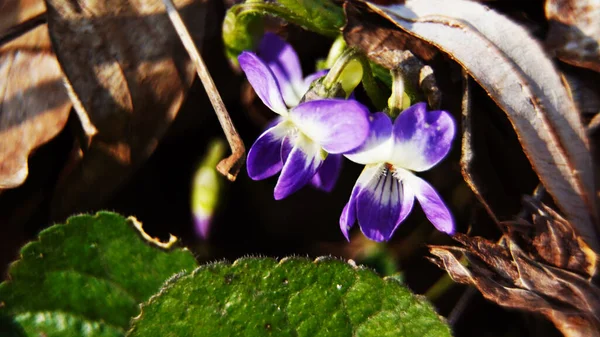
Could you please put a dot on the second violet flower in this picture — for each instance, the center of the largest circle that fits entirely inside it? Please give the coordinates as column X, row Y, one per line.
column 384, row 193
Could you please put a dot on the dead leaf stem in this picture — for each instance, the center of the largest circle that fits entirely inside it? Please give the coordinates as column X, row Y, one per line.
column 231, row 165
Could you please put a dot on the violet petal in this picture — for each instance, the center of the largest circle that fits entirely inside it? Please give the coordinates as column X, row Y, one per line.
column 285, row 65
column 381, row 205
column 264, row 158
column 348, row 216
column 328, row 174
column 263, row 81
column 434, row 207
column 378, row 146
column 422, row 138
column 337, row 125
column 303, row 161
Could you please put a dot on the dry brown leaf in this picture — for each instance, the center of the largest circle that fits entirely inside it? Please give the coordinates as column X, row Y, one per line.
column 15, row 12
column 571, row 322
column 34, row 105
column 128, row 74
column 467, row 158
column 365, row 30
column 574, row 35
column 552, row 277
column 521, row 79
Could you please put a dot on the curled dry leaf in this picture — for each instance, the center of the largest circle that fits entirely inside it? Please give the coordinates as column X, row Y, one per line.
column 514, row 70
column 574, row 35
column 34, row 105
column 15, row 12
column 128, row 74
column 552, row 277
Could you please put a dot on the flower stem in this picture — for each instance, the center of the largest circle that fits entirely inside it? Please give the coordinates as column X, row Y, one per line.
column 337, row 49
column 443, row 284
column 339, row 69
column 346, row 71
column 396, row 99
column 373, row 90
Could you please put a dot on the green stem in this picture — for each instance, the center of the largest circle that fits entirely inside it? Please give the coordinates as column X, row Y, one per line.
column 342, row 64
column 443, row 284
column 336, row 50
column 439, row 287
column 372, row 89
column 395, row 100
column 334, row 74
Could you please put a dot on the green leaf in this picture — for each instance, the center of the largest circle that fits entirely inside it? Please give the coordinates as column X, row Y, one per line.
column 295, row 297
column 242, row 30
column 87, row 277
column 320, row 16
column 243, row 24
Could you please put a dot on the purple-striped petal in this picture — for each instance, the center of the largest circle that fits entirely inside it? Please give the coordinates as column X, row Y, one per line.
column 303, row 161
column 348, row 217
column 264, row 157
column 431, row 203
column 382, row 205
column 378, row 146
column 263, row 81
column 422, row 138
column 285, row 65
column 337, row 125
column 328, row 174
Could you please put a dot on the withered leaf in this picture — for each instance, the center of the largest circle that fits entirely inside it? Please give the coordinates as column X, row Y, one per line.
column 16, row 12
column 34, row 105
column 570, row 321
column 513, row 68
column 574, row 35
column 128, row 74
column 557, row 242
column 552, row 276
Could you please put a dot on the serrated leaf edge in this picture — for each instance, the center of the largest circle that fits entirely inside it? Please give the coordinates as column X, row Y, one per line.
column 321, row 259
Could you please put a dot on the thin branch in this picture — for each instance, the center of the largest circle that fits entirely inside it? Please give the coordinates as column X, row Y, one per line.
column 231, row 165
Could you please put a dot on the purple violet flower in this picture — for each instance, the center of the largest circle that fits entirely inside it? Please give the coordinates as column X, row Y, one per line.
column 283, row 61
column 384, row 193
column 298, row 143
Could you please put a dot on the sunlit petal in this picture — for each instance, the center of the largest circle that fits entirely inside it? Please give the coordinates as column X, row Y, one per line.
column 378, row 146
column 348, row 217
column 434, row 207
column 263, row 82
column 337, row 125
column 303, row 161
column 381, row 205
column 285, row 65
column 421, row 138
